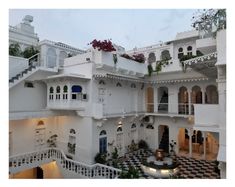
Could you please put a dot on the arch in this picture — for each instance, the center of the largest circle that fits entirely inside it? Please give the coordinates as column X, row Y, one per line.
column 51, row 90
column 133, row 126
column 62, row 56
column 180, row 53
column 196, row 95
column 119, row 129
column 150, row 99
column 102, row 82
column 40, row 122
column 103, row 142
column 189, row 50
column 118, row 84
column 183, row 100
column 72, row 131
column 58, row 89
column 162, row 99
column 65, row 89
column 211, row 96
column 165, row 55
column 133, row 85
column 151, row 58
column 103, row 132
column 76, row 89
column 51, row 58
column 149, row 126
column 141, row 125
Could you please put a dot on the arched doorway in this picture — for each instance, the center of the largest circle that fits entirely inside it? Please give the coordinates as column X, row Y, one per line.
column 211, row 95
column 120, row 141
column 163, row 99
column 103, row 142
column 163, row 137
column 196, row 97
column 183, row 101
column 150, row 99
column 40, row 135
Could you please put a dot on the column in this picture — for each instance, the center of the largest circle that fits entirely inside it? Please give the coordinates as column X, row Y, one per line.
column 189, row 102
column 190, row 142
column 203, row 95
column 204, row 144
column 155, row 99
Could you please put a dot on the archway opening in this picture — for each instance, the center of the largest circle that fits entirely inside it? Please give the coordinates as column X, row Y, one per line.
column 163, row 99
column 163, row 137
column 211, row 95
column 150, row 99
column 183, row 101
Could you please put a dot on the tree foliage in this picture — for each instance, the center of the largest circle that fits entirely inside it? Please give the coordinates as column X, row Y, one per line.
column 209, row 20
column 14, row 49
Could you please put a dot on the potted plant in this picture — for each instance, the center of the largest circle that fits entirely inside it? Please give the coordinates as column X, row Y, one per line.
column 52, row 141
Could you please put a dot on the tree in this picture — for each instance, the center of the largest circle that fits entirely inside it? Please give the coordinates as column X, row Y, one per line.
column 209, row 20
column 14, row 49
column 29, row 51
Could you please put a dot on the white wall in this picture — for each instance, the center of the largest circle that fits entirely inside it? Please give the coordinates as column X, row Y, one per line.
column 17, row 65
column 221, row 47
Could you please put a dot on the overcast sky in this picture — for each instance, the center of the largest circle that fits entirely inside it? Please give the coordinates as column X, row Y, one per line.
column 126, row 27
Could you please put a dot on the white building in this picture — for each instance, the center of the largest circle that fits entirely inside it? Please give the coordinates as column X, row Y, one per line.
column 87, row 104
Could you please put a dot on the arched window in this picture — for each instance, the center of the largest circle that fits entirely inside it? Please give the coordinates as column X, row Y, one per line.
column 149, row 127
column 101, row 82
column 119, row 129
column 51, row 58
column 72, row 131
column 103, row 142
column 118, row 84
column 141, row 125
column 189, row 51
column 51, row 93
column 151, row 58
column 183, row 107
column 133, row 126
column 62, row 56
column 65, row 92
column 40, row 123
column 180, row 53
column 165, row 55
column 57, row 92
column 133, row 85
column 211, row 95
column 77, row 92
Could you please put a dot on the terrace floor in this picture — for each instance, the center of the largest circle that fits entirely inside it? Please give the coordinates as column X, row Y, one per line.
column 189, row 168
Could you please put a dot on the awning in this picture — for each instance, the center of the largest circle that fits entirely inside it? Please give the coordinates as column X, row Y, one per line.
column 76, row 89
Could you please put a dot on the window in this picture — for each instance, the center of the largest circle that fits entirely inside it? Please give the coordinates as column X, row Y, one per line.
column 141, row 125
column 189, row 51
column 51, row 93
column 151, row 58
column 28, row 85
column 65, row 92
column 119, row 129
column 149, row 127
column 84, row 97
column 101, row 82
column 57, row 92
column 118, row 84
column 76, row 92
column 180, row 53
column 133, row 85
column 103, row 142
column 133, row 126
column 165, row 55
column 72, row 131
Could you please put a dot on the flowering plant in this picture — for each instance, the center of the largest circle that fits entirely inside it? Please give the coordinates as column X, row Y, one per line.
column 136, row 57
column 105, row 45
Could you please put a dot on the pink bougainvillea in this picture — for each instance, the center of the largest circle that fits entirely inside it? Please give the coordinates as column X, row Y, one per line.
column 105, row 45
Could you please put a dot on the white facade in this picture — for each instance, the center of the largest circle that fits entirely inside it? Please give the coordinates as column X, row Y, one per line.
column 87, row 97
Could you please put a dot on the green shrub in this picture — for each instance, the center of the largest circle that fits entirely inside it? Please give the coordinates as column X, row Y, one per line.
column 143, row 144
column 101, row 158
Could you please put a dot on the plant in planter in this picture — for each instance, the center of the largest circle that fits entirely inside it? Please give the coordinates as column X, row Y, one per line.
column 105, row 45
column 150, row 69
column 133, row 146
column 52, row 141
column 71, row 148
column 115, row 59
column 139, row 58
column 143, row 144
column 132, row 173
column 101, row 158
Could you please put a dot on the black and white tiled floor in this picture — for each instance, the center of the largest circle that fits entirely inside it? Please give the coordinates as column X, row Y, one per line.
column 189, row 168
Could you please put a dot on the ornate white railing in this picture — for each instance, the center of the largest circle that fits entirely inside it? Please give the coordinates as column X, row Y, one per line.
column 201, row 59
column 30, row 160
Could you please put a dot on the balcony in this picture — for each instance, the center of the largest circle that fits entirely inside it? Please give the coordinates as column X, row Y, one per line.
column 206, row 117
column 104, row 60
column 100, row 111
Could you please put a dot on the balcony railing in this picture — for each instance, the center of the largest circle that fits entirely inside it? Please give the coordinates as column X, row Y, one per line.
column 121, row 111
column 25, row 161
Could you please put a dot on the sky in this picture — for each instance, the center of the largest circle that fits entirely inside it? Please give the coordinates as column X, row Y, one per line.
column 126, row 27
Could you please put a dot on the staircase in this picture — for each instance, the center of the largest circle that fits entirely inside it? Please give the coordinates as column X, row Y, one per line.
column 164, row 143
column 163, row 106
column 70, row 168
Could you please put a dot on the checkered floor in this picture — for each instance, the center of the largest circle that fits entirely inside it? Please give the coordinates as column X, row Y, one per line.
column 189, row 168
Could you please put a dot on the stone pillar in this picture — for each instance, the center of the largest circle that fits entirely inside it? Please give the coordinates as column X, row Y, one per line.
column 203, row 96
column 190, row 142
column 189, row 102
column 155, row 98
